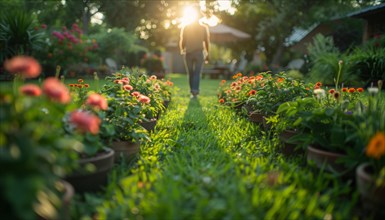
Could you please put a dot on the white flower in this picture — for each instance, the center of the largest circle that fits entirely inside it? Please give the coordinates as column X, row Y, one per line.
column 373, row 90
column 320, row 93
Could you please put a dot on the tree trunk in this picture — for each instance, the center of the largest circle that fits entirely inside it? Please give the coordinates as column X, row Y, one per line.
column 86, row 19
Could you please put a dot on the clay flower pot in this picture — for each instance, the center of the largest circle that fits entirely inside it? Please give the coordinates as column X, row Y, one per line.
column 373, row 196
column 149, row 125
column 325, row 159
column 125, row 149
column 85, row 181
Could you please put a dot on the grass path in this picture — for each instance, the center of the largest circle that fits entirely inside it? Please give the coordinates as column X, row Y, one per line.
column 207, row 162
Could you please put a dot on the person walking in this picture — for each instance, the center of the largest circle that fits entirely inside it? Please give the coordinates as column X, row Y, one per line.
column 194, row 46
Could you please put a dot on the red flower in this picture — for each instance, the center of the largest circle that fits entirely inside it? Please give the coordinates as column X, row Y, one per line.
column 221, row 101
column 319, row 84
column 144, row 99
column 86, row 85
column 332, row 91
column 316, row 87
column 136, row 94
column 72, row 85
column 128, row 87
column 30, row 90
column 351, row 90
column 56, row 91
column 97, row 101
column 252, row 92
column 27, row 66
column 360, row 90
column 80, row 80
column 85, row 122
column 344, row 89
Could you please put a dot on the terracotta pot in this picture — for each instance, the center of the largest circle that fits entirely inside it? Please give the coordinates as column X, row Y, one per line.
column 373, row 197
column 257, row 118
column 149, row 125
column 166, row 103
column 289, row 148
column 325, row 159
column 125, row 149
column 84, row 181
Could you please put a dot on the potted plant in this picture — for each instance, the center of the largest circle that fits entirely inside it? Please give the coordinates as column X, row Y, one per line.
column 369, row 153
column 125, row 113
column 36, row 153
column 88, row 124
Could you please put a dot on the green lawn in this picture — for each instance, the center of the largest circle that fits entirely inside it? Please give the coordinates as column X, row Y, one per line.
column 207, row 162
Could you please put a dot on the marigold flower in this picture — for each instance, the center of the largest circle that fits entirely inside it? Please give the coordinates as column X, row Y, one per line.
column 360, row 90
column 332, row 91
column 28, row 67
column 97, row 101
column 221, row 101
column 252, row 92
column 135, row 94
column 80, row 80
column 30, row 90
column 144, row 99
column 344, row 89
column 239, row 74
column 85, row 122
column 128, row 87
column 351, row 90
column 376, row 146
column 56, row 91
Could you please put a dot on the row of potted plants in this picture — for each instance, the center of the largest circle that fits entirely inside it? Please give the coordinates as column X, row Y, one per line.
column 339, row 129
column 51, row 132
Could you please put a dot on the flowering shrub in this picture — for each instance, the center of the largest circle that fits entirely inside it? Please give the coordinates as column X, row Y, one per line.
column 35, row 150
column 125, row 108
column 262, row 93
column 70, row 46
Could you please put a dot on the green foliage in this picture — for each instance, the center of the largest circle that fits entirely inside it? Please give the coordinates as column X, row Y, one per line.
column 33, row 159
column 368, row 63
column 18, row 36
column 115, row 43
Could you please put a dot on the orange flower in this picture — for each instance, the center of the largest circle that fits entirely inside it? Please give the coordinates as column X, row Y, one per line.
column 351, row 90
column 316, row 87
column 80, row 80
column 221, row 101
column 85, row 122
column 56, row 90
column 223, row 82
column 87, row 85
column 319, row 84
column 30, row 90
column 128, row 87
column 238, row 88
column 125, row 81
column 344, row 89
column 332, row 91
column 259, row 77
column 144, row 99
column 376, row 146
column 360, row 90
column 239, row 74
column 233, row 84
column 280, row 80
column 136, row 94
column 252, row 92
column 72, row 85
column 153, row 77
column 97, row 101
column 27, row 66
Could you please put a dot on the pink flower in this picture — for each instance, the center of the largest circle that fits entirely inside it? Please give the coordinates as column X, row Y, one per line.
column 56, row 90
column 30, row 90
column 144, row 99
column 85, row 122
column 27, row 66
column 136, row 94
column 128, row 87
column 97, row 101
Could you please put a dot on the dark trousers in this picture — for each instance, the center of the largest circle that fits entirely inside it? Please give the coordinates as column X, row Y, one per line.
column 194, row 66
